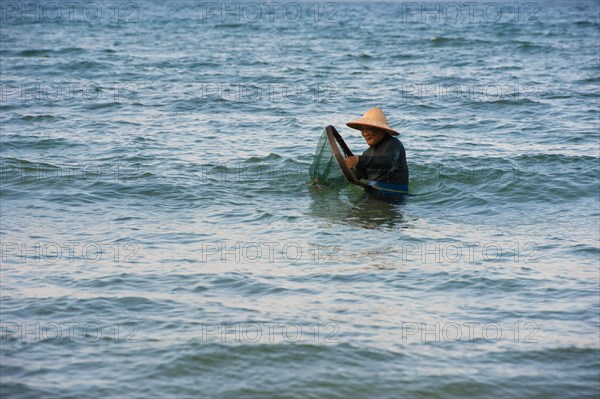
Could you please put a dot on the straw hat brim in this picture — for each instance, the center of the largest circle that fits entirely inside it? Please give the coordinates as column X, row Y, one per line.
column 361, row 123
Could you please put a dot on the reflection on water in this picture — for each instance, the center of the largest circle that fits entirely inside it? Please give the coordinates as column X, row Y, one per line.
column 355, row 207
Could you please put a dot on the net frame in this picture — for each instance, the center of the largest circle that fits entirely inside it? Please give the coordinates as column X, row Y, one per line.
column 341, row 151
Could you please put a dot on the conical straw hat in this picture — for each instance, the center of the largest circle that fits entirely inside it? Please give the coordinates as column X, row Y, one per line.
column 373, row 118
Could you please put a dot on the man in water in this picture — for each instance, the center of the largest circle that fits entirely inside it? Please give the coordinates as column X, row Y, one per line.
column 384, row 162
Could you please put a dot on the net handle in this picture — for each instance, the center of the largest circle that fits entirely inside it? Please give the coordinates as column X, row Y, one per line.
column 334, row 137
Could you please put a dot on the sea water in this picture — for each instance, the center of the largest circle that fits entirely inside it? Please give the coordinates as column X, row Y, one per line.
column 160, row 237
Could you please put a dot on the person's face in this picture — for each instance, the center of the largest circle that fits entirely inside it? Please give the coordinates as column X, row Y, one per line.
column 372, row 136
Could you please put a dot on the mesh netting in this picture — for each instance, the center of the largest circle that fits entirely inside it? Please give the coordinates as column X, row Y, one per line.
column 325, row 169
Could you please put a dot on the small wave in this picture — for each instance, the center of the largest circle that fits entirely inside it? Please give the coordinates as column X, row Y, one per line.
column 246, row 284
column 451, row 41
column 270, row 157
column 48, row 53
column 403, row 57
column 586, row 24
column 586, row 249
column 461, row 41
column 533, row 47
column 228, row 26
column 40, row 118
column 112, row 304
column 111, row 104
column 33, row 142
column 592, row 79
column 34, row 53
column 83, row 66
column 440, row 39
column 204, row 64
column 550, row 355
column 508, row 102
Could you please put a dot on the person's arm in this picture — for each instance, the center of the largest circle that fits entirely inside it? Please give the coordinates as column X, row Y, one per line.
column 352, row 163
column 383, row 161
column 361, row 173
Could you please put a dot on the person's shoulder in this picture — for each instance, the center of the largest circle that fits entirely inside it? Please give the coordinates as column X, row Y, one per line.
column 395, row 141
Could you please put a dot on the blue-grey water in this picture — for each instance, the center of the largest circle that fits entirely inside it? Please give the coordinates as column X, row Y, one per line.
column 160, row 237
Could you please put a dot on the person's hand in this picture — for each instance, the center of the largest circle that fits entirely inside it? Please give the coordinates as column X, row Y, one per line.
column 351, row 162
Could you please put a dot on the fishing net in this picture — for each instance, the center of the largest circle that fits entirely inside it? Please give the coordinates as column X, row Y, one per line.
column 324, row 169
column 328, row 167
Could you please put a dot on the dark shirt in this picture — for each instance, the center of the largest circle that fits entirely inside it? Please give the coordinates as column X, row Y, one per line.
column 385, row 162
